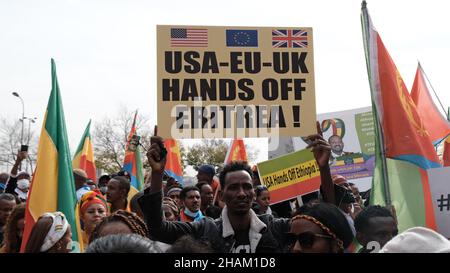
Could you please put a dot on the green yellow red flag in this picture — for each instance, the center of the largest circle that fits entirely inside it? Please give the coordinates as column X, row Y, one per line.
column 52, row 187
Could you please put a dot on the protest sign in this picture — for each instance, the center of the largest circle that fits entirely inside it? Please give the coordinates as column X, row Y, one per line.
column 440, row 194
column 235, row 82
column 290, row 175
column 351, row 136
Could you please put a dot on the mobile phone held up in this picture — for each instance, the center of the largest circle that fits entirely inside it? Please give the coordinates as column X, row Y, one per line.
column 24, row 148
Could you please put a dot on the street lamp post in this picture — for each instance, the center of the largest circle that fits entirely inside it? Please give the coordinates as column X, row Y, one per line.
column 30, row 120
column 22, row 120
column 23, row 115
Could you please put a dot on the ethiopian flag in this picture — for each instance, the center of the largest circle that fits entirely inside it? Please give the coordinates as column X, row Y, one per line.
column 403, row 147
column 52, row 188
column 133, row 163
column 84, row 156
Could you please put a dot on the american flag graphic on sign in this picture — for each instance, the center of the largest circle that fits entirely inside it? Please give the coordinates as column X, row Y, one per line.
column 185, row 37
column 289, row 38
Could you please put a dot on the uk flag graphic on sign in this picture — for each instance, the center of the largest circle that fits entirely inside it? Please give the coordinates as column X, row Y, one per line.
column 289, row 38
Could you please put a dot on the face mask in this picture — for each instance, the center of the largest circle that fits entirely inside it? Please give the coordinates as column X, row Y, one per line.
column 103, row 189
column 23, row 184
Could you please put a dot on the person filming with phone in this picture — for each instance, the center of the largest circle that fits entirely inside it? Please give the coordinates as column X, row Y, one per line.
column 19, row 182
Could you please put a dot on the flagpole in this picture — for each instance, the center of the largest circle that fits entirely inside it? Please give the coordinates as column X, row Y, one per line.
column 428, row 80
column 366, row 38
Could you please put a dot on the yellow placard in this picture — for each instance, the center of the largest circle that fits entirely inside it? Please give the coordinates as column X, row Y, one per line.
column 292, row 175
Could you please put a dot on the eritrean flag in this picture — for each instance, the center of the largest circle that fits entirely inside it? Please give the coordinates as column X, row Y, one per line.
column 437, row 126
column 403, row 148
column 52, row 188
column 84, row 156
column 405, row 136
column 173, row 166
column 133, row 164
column 236, row 151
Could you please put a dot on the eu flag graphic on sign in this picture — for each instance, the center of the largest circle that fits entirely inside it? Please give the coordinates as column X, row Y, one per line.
column 242, row 38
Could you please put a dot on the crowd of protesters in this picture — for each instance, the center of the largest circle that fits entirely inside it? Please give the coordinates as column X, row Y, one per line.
column 223, row 212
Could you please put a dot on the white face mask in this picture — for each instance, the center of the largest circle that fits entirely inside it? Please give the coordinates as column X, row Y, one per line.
column 23, row 184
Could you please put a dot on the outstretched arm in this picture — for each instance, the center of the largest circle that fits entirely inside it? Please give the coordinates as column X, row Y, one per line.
column 20, row 157
column 157, row 162
column 12, row 181
column 322, row 150
column 151, row 201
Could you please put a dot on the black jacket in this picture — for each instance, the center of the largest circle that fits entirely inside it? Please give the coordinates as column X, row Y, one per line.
column 213, row 211
column 11, row 186
column 272, row 237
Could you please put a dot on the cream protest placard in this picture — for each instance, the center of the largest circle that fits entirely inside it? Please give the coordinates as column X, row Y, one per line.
column 235, row 82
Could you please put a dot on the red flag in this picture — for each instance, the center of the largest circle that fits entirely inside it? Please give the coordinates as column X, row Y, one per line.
column 436, row 125
column 236, row 152
column 405, row 135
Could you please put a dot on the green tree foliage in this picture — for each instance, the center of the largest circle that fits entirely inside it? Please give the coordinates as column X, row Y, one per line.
column 209, row 151
column 212, row 151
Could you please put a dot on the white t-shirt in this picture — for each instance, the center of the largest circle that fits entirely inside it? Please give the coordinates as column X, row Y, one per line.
column 350, row 221
column 82, row 191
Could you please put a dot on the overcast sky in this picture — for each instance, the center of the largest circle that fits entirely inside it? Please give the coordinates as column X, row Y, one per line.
column 105, row 51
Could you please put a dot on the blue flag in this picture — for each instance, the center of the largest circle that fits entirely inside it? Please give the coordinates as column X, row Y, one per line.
column 242, row 38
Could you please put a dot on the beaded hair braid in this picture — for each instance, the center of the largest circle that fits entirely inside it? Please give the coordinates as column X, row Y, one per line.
column 134, row 222
column 322, row 226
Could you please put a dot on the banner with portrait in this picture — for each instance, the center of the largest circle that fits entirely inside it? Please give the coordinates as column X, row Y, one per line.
column 352, row 138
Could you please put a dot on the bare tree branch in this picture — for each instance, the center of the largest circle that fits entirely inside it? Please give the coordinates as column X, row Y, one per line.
column 10, row 144
column 110, row 137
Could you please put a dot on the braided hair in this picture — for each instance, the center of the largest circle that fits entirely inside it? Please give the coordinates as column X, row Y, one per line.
column 12, row 242
column 332, row 221
column 131, row 219
column 322, row 226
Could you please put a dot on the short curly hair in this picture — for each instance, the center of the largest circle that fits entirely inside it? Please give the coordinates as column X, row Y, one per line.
column 233, row 167
column 363, row 218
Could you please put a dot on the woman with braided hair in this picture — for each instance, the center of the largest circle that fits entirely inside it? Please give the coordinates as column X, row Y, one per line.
column 320, row 228
column 14, row 230
column 120, row 222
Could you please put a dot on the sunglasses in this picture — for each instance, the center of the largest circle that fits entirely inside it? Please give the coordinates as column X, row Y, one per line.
column 305, row 239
